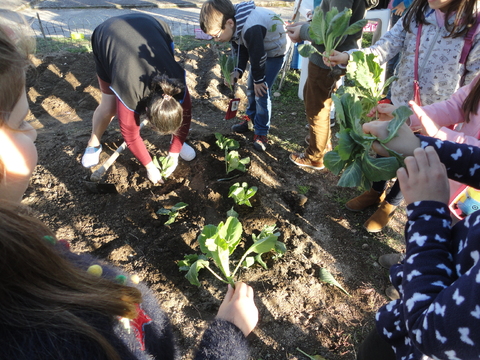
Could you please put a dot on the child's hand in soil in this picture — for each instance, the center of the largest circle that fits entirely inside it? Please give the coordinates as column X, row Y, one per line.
column 239, row 308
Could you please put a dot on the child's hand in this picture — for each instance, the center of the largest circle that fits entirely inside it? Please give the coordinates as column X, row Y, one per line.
column 429, row 127
column 399, row 9
column 424, row 177
column 405, row 143
column 260, row 89
column 336, row 58
column 293, row 31
column 234, row 76
column 384, row 112
column 239, row 308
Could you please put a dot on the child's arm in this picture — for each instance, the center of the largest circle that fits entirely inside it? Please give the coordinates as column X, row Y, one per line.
column 254, row 42
column 437, row 290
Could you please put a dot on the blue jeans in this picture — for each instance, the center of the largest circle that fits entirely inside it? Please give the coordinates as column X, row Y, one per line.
column 259, row 109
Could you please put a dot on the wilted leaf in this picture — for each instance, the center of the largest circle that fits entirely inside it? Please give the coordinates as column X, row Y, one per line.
column 328, row 278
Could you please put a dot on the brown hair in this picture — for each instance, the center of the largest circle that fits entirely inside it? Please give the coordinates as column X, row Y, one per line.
column 465, row 16
column 471, row 103
column 164, row 112
column 15, row 50
column 42, row 290
column 215, row 13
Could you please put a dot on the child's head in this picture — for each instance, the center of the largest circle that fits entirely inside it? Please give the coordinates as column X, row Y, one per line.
column 164, row 112
column 464, row 11
column 44, row 292
column 18, row 155
column 216, row 16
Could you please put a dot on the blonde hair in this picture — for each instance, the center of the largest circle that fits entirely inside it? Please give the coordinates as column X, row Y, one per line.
column 41, row 290
column 164, row 112
column 215, row 13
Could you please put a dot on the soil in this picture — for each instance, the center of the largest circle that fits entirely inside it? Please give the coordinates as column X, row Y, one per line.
column 297, row 310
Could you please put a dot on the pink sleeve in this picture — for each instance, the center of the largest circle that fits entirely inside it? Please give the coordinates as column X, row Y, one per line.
column 128, row 121
column 179, row 138
column 445, row 113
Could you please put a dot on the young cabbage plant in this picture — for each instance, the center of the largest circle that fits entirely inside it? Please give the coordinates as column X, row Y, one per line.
column 172, row 212
column 364, row 78
column 241, row 194
column 217, row 244
column 225, row 143
column 227, row 65
column 352, row 156
column 164, row 164
column 329, row 29
column 234, row 162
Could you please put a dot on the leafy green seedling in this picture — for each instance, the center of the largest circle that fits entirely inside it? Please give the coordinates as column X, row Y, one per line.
column 241, row 194
column 365, row 76
column 225, row 143
column 325, row 276
column 219, row 242
column 172, row 212
column 328, row 29
column 303, row 189
column 164, row 164
column 227, row 65
column 233, row 162
column 351, row 156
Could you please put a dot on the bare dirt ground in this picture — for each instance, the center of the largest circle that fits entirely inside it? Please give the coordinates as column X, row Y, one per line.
column 296, row 309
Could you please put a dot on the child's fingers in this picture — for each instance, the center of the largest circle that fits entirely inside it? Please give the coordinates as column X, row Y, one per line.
column 229, row 295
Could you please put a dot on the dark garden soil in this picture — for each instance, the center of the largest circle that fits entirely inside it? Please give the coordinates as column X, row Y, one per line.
column 296, row 309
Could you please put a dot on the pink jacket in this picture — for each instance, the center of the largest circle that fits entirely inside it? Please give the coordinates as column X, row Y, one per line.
column 449, row 112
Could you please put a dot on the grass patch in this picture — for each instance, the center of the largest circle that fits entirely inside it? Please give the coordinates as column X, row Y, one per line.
column 189, row 42
column 50, row 45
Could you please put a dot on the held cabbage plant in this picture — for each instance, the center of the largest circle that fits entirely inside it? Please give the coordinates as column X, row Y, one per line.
column 328, row 29
column 217, row 244
column 164, row 164
column 364, row 76
column 351, row 156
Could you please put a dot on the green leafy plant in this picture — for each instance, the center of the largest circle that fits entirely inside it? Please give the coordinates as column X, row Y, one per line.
column 351, row 156
column 314, row 357
column 328, row 29
column 364, row 78
column 217, row 243
column 325, row 276
column 225, row 143
column 164, row 164
column 241, row 194
column 303, row 189
column 172, row 212
column 227, row 65
column 234, row 162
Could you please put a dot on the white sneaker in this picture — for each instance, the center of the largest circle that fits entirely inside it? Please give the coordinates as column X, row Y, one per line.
column 91, row 156
column 187, row 153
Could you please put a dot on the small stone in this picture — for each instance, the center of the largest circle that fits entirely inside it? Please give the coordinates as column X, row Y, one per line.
column 365, row 246
column 276, row 94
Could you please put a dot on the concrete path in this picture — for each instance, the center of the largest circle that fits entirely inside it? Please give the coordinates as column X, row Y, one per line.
column 59, row 18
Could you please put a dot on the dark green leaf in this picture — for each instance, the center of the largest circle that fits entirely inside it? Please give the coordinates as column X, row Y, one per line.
column 306, row 50
column 333, row 162
column 351, row 176
column 381, row 168
column 192, row 274
column 345, row 144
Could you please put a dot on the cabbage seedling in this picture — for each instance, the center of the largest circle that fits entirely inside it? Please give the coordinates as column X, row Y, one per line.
column 351, row 156
column 329, row 29
column 241, row 194
column 234, row 162
column 164, row 164
column 227, row 65
column 225, row 143
column 217, row 243
column 172, row 212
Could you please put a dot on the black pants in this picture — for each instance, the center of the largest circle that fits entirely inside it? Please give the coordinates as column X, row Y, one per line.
column 375, row 348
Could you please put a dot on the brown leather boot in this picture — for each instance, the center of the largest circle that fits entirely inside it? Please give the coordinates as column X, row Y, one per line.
column 368, row 198
column 380, row 218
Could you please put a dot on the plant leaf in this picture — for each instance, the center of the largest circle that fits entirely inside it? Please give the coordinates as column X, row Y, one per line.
column 381, row 168
column 232, row 233
column 208, row 232
column 306, row 50
column 333, row 162
column 232, row 213
column 258, row 259
column 178, row 206
column 351, row 176
column 325, row 276
column 192, row 274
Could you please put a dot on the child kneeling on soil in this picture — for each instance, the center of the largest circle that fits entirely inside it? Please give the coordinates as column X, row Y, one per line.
column 137, row 73
column 18, row 154
column 256, row 35
column 59, row 305
column 438, row 313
